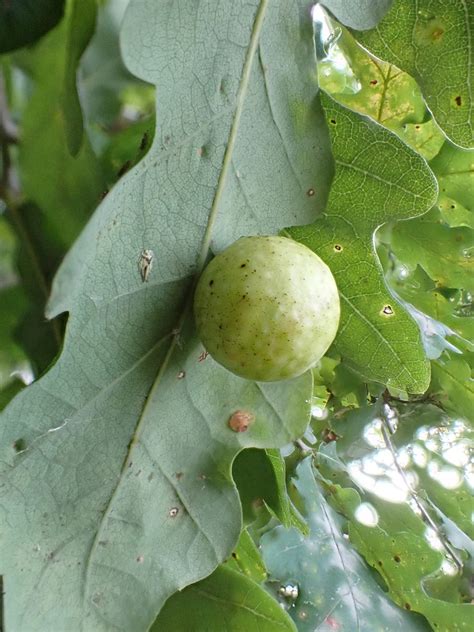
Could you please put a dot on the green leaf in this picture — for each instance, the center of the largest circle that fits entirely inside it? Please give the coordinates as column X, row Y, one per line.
column 432, row 450
column 453, row 379
column 24, row 21
column 224, row 601
column 246, row 559
column 376, row 336
column 126, row 148
column 454, row 169
column 336, row 589
column 404, row 559
column 260, row 477
column 449, row 306
column 446, row 254
column 138, row 465
column 432, row 41
column 65, row 188
column 105, row 85
column 80, row 19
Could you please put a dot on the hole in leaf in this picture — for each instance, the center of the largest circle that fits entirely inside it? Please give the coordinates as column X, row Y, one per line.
column 19, row 445
column 387, row 310
column 338, row 247
column 332, row 121
column 310, row 192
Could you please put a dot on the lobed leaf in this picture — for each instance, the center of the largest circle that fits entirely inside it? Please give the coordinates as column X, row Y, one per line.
column 432, row 41
column 376, row 336
column 123, row 480
column 24, row 22
column 405, row 560
column 336, row 589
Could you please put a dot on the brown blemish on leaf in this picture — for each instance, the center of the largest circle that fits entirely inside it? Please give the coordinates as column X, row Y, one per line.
column 203, row 356
column 240, row 420
column 458, row 100
column 329, row 435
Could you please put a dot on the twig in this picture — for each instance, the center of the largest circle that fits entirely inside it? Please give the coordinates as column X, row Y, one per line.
column 389, row 416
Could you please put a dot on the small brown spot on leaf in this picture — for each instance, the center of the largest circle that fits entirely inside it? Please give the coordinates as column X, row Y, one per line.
column 374, row 82
column 240, row 420
column 407, row 606
column 179, row 475
column 329, row 435
column 458, row 100
column 140, row 559
column 203, row 356
column 397, row 559
column 338, row 247
column 332, row 121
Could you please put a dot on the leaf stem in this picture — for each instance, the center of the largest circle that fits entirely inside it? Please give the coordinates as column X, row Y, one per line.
column 240, row 100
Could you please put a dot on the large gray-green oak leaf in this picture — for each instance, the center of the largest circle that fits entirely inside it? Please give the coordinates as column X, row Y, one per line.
column 115, row 485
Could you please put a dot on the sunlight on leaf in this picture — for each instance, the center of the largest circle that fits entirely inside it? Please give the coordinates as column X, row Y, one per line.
column 335, row 588
column 432, row 41
column 376, row 336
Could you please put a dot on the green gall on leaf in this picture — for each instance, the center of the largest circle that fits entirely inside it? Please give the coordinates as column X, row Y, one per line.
column 267, row 308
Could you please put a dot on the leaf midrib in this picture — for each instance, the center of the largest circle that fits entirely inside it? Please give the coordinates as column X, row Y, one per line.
column 226, row 165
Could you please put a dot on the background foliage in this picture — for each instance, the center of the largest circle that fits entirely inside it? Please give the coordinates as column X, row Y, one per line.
column 126, row 500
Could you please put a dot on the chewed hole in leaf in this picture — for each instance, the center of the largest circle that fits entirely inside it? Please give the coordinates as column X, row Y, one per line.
column 310, row 192
column 338, row 248
column 173, row 512
column 387, row 310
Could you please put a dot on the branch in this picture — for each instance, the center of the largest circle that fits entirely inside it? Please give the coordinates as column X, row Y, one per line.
column 390, row 421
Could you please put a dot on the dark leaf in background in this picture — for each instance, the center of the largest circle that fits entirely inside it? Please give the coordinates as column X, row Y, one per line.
column 22, row 22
